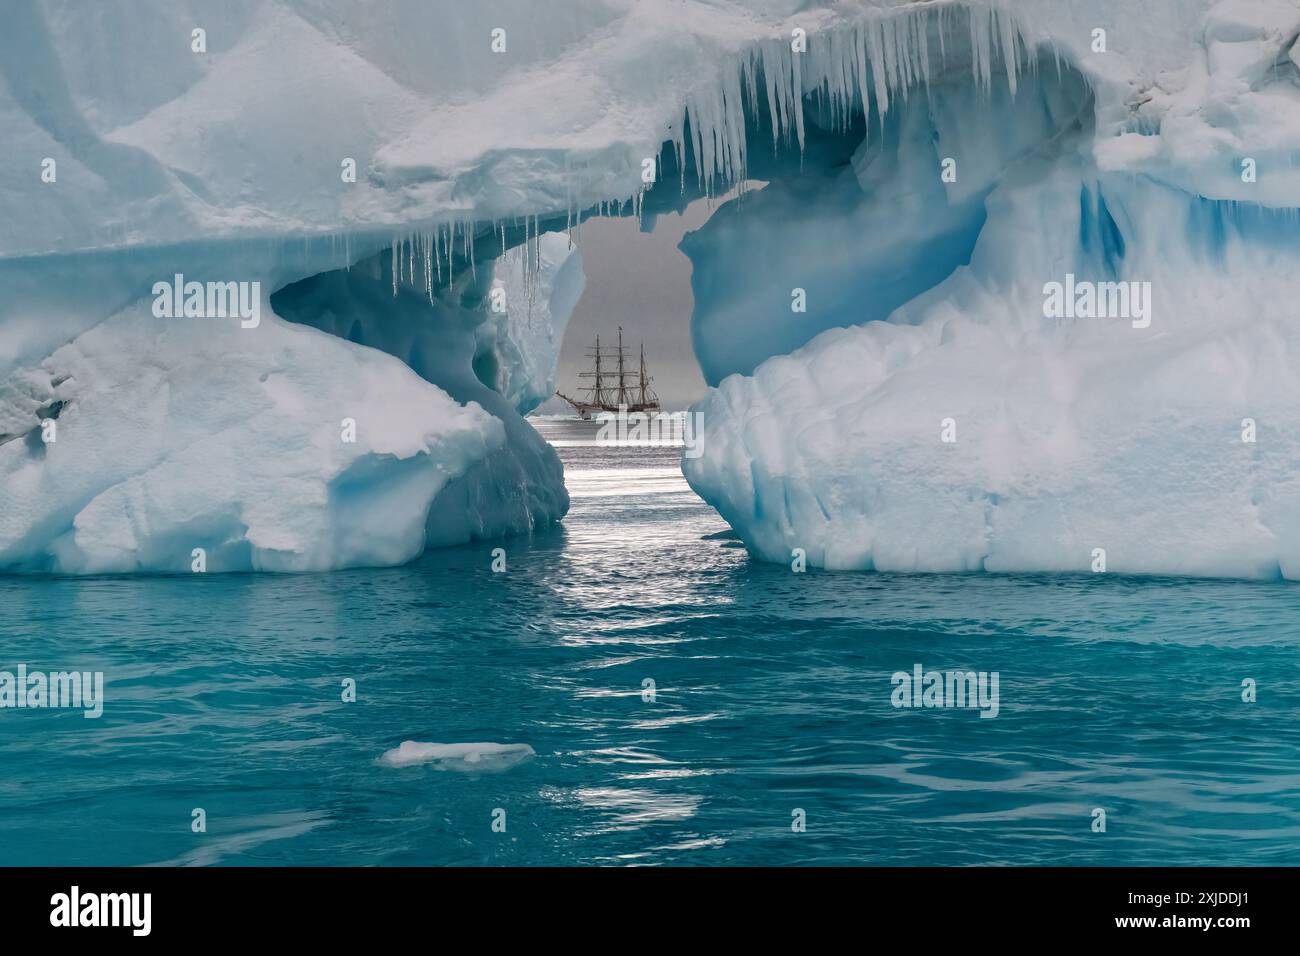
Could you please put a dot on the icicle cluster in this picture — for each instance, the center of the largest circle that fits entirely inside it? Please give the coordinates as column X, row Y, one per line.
column 846, row 71
column 880, row 58
column 420, row 258
column 428, row 259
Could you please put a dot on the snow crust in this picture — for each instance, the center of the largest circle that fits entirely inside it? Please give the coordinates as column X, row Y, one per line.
column 444, row 130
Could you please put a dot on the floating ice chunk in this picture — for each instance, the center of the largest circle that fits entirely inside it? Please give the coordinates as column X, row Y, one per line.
column 482, row 757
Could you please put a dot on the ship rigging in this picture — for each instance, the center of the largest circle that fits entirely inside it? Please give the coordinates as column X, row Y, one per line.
column 613, row 389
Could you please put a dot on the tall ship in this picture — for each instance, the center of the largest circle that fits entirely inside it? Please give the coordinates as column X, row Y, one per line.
column 614, row 388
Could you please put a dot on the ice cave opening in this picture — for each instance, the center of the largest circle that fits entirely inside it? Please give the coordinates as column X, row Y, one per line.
column 856, row 205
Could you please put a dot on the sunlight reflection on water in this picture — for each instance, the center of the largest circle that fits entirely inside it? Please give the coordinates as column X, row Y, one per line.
column 770, row 691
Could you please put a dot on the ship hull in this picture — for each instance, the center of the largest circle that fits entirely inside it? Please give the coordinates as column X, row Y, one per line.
column 587, row 411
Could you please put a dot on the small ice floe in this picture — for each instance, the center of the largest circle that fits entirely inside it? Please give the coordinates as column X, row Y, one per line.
column 480, row 758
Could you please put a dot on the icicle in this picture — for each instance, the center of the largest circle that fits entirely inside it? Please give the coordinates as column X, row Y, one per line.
column 903, row 37
column 1006, row 31
column 844, row 46
column 923, row 37
column 796, row 82
column 860, row 50
column 428, row 266
column 983, row 27
column 470, row 232
column 774, row 104
column 943, row 29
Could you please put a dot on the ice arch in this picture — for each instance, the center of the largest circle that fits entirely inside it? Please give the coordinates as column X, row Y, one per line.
column 184, row 433
column 874, row 209
column 502, row 361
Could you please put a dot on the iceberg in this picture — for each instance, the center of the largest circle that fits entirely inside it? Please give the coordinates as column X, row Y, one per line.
column 479, row 758
column 1006, row 284
column 941, row 407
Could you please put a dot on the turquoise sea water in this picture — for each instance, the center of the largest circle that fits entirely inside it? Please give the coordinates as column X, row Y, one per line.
column 772, row 694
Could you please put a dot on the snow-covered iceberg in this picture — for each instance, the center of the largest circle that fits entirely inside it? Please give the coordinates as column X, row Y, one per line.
column 1078, row 354
column 276, row 447
column 399, row 184
column 170, row 438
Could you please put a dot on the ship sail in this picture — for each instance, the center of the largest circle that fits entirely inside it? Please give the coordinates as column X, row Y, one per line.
column 613, row 389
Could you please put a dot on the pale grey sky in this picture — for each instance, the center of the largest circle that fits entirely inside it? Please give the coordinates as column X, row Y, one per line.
column 640, row 281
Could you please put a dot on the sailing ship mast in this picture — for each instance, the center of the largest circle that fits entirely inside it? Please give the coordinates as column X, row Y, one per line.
column 622, row 386
column 643, row 375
